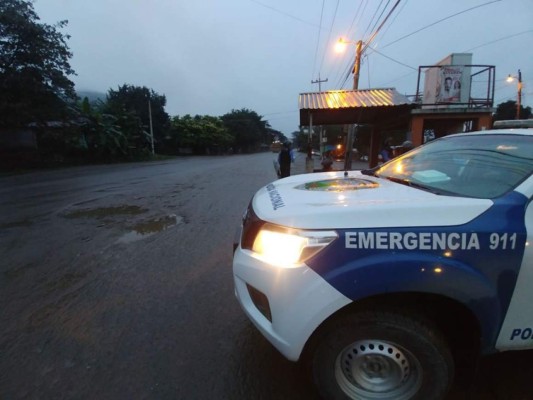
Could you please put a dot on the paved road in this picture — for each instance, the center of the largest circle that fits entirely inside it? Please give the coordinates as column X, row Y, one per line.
column 115, row 283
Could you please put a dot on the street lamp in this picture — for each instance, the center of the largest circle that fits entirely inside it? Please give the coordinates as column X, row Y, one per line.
column 340, row 47
column 511, row 78
column 356, row 68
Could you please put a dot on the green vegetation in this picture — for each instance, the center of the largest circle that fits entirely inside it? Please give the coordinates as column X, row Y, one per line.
column 507, row 110
column 43, row 122
column 34, row 67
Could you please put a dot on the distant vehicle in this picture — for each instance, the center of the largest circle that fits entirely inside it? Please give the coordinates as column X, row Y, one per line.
column 385, row 280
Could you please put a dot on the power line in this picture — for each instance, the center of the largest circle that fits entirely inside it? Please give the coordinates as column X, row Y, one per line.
column 396, row 16
column 379, row 27
column 367, row 43
column 398, row 78
column 284, row 13
column 481, row 45
column 392, row 59
column 329, row 34
column 439, row 21
column 318, row 37
column 500, row 39
column 347, row 58
column 377, row 20
column 357, row 14
column 412, row 33
column 368, row 70
column 347, row 75
column 373, row 36
column 372, row 19
column 350, row 64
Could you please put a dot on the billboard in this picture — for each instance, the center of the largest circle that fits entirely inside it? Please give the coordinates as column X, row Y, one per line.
column 447, row 83
column 449, row 80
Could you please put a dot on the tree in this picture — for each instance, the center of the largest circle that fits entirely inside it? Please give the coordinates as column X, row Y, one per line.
column 507, row 111
column 134, row 100
column 201, row 133
column 34, row 67
column 248, row 129
column 102, row 133
column 301, row 139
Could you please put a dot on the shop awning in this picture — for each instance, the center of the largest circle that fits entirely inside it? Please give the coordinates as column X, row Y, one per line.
column 352, row 106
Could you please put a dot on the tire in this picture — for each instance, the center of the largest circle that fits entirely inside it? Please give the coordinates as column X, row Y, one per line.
column 382, row 355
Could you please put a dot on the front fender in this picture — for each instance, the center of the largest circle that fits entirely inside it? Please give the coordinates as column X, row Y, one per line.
column 420, row 273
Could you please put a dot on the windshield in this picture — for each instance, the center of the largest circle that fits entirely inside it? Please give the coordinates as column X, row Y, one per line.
column 481, row 166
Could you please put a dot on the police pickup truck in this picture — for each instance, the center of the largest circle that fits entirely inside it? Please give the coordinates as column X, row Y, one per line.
column 384, row 280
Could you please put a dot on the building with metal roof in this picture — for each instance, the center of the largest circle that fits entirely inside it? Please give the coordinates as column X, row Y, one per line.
column 351, row 106
column 435, row 110
column 377, row 110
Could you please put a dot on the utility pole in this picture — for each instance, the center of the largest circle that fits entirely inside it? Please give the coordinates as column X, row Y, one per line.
column 359, row 50
column 519, row 102
column 357, row 64
column 352, row 130
column 319, row 81
column 320, row 134
column 151, row 129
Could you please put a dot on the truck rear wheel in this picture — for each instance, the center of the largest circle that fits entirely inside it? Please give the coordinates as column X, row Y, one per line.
column 382, row 355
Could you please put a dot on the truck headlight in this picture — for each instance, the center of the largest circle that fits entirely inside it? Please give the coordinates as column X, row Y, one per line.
column 286, row 247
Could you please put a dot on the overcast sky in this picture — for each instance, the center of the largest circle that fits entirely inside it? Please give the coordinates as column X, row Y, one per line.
column 211, row 56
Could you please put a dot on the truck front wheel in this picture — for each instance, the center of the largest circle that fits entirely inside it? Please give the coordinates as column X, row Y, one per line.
column 382, row 355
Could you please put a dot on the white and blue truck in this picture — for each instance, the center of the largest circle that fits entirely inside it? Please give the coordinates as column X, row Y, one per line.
column 385, row 280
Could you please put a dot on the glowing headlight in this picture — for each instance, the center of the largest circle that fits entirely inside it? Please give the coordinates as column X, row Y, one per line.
column 288, row 247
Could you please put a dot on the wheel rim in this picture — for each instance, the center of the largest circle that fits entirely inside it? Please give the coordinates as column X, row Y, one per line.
column 375, row 369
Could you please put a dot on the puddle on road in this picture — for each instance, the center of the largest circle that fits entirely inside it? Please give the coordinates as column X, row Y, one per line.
column 145, row 229
column 140, row 230
column 103, row 212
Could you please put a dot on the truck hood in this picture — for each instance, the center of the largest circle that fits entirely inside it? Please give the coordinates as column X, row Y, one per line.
column 331, row 201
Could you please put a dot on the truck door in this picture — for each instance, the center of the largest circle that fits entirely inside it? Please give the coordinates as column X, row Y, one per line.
column 517, row 328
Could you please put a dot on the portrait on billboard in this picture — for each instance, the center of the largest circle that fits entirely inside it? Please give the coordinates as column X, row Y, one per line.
column 449, row 84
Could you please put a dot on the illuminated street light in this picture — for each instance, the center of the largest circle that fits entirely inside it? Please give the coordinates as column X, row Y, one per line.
column 359, row 50
column 511, row 78
column 340, row 47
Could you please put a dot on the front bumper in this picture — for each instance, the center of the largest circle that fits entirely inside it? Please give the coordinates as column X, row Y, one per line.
column 298, row 300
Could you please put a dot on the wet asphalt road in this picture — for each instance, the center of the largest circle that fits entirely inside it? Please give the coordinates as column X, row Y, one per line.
column 116, row 283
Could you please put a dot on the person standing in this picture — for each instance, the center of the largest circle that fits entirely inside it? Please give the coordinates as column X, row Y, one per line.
column 327, row 161
column 386, row 153
column 285, row 160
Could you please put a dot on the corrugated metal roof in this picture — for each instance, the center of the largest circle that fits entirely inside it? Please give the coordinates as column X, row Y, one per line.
column 339, row 99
